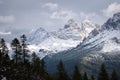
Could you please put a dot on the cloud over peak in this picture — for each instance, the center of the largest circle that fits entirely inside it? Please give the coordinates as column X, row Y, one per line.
column 87, row 15
column 51, row 6
column 111, row 9
column 63, row 15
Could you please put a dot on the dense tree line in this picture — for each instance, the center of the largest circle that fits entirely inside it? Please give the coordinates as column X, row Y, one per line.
column 23, row 66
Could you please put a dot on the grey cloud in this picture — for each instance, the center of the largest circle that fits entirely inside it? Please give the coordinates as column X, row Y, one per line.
column 51, row 6
column 7, row 19
column 5, row 33
column 28, row 14
column 111, row 9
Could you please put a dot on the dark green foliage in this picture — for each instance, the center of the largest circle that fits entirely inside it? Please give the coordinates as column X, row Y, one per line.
column 62, row 74
column 114, row 75
column 42, row 67
column 33, row 68
column 85, row 77
column 92, row 78
column 15, row 44
column 6, row 59
column 76, row 74
column 44, row 73
column 34, row 57
column 3, row 47
column 103, row 75
column 24, row 48
column 38, row 68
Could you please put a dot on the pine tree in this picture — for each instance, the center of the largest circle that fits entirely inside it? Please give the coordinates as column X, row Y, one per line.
column 3, row 51
column 24, row 47
column 6, row 61
column 76, row 74
column 92, row 77
column 103, row 75
column 4, row 58
column 85, row 77
column 16, row 47
column 34, row 57
column 39, row 68
column 42, row 67
column 61, row 72
column 114, row 75
column 3, row 47
column 43, row 72
column 35, row 63
column 0, row 56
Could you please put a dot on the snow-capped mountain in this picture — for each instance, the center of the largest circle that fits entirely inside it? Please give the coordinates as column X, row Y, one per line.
column 108, row 35
column 101, row 46
column 37, row 36
column 75, row 31
column 66, row 38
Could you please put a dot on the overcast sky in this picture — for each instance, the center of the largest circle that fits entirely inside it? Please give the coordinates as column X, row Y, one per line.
column 21, row 16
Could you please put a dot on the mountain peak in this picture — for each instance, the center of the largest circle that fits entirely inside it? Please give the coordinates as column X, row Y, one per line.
column 112, row 23
column 70, row 21
column 41, row 29
column 116, row 17
column 72, row 24
column 88, row 26
column 66, row 38
column 88, row 22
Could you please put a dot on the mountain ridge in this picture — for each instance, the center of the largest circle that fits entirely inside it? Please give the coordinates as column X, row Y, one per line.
column 68, row 37
column 103, row 47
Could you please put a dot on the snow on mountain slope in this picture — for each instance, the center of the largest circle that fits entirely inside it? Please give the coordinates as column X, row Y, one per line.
column 105, row 37
column 52, row 45
column 75, row 31
column 60, row 44
column 37, row 36
column 109, row 34
column 102, row 45
column 66, row 38
column 111, row 44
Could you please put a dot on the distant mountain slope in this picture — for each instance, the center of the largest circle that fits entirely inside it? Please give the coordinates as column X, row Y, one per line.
column 101, row 46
